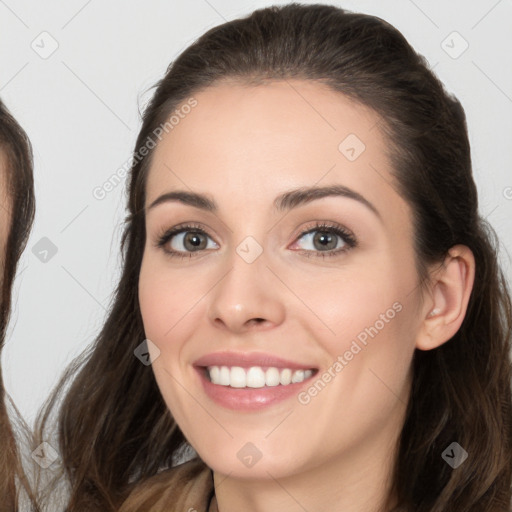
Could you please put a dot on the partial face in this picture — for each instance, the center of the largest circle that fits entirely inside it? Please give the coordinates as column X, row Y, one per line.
column 307, row 332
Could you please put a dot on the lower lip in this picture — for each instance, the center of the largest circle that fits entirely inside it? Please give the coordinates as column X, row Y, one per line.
column 248, row 399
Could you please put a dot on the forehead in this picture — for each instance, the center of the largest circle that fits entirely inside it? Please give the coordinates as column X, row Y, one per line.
column 251, row 142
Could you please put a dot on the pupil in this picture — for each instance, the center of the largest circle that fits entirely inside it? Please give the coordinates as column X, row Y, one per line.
column 324, row 238
column 194, row 239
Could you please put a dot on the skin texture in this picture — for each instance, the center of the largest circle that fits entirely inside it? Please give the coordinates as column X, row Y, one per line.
column 244, row 146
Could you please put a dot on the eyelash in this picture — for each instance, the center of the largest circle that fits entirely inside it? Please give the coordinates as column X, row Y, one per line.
column 325, row 227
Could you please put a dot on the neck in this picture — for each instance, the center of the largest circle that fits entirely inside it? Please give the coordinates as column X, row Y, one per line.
column 355, row 481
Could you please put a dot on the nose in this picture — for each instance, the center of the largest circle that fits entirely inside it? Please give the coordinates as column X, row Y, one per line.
column 248, row 297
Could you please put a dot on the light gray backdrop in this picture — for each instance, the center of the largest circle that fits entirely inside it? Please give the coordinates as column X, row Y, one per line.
column 75, row 75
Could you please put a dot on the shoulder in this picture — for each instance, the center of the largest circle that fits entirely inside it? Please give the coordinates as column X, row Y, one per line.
column 187, row 486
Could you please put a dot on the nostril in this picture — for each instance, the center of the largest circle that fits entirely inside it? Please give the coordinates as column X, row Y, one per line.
column 258, row 320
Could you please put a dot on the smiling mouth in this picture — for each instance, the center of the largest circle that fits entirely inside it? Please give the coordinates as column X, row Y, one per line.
column 256, row 376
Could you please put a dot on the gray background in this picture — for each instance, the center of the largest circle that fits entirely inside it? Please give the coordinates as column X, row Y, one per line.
column 80, row 106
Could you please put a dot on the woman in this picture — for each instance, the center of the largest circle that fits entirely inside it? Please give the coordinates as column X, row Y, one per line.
column 375, row 379
column 17, row 213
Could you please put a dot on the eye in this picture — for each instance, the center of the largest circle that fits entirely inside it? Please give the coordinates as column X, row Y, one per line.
column 182, row 239
column 185, row 240
column 326, row 236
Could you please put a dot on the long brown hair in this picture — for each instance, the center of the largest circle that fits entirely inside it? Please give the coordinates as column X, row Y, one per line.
column 16, row 152
column 115, row 429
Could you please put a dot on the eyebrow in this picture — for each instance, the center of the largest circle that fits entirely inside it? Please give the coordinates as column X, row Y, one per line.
column 284, row 202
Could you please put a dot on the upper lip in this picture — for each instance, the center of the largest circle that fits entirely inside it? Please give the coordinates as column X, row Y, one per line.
column 248, row 359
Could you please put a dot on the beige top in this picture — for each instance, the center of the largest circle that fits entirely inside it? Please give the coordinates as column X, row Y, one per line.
column 187, row 487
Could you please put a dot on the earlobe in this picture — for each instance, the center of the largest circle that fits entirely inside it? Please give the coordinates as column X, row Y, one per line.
column 450, row 291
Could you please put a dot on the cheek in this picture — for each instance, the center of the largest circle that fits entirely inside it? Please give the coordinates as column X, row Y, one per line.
column 162, row 298
column 161, row 308
column 367, row 325
column 345, row 305
column 159, row 303
column 171, row 309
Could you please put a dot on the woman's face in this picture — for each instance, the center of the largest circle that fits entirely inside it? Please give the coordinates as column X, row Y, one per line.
column 261, row 287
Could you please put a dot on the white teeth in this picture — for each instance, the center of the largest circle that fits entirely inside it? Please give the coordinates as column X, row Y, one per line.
column 238, row 378
column 285, row 377
column 256, row 377
column 223, row 376
column 298, row 376
column 272, row 377
column 215, row 374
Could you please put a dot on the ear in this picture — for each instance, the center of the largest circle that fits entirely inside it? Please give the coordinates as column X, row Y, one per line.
column 449, row 293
